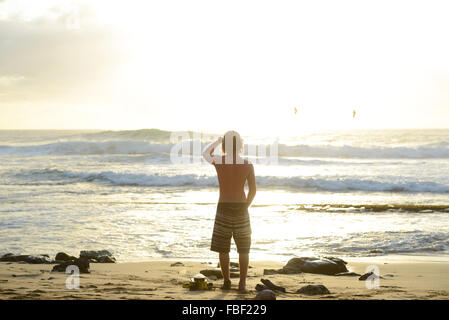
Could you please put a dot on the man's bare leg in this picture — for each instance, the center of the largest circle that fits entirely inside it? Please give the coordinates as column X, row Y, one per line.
column 243, row 265
column 224, row 264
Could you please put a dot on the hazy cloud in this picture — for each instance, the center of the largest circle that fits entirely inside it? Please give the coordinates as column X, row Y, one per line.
column 9, row 80
column 56, row 62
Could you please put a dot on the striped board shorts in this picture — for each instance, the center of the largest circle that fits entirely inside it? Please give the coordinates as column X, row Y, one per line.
column 231, row 220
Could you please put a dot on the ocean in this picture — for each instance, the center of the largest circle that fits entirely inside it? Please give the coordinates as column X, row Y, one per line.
column 342, row 193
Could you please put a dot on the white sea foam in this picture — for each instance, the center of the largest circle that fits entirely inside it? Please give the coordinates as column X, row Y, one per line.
column 440, row 150
column 337, row 184
column 87, row 148
column 387, row 242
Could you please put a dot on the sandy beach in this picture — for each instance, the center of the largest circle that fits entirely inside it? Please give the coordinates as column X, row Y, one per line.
column 402, row 277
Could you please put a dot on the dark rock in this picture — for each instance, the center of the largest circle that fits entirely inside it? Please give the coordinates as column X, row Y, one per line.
column 267, row 272
column 217, row 273
column 272, row 286
column 369, row 274
column 38, row 291
column 81, row 263
column 326, row 265
column 212, row 272
column 100, row 256
column 9, row 257
column 106, row 259
column 260, row 287
column 266, row 295
column 348, row 274
column 61, row 256
column 177, row 264
column 312, row 290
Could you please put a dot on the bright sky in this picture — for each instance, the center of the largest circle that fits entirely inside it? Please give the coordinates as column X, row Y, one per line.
column 218, row 65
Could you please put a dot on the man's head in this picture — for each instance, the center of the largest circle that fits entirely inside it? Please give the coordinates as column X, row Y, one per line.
column 232, row 143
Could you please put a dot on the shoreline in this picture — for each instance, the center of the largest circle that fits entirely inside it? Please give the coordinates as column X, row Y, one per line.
column 402, row 277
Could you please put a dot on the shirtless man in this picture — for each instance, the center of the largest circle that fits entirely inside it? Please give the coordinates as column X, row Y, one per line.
column 232, row 218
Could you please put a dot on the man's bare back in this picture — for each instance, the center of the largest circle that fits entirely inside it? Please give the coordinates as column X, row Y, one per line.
column 232, row 178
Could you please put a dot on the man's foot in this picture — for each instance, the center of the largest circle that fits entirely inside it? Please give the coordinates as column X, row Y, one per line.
column 226, row 285
column 242, row 289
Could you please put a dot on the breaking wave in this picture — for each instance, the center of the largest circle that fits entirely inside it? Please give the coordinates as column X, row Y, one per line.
column 430, row 151
column 335, row 184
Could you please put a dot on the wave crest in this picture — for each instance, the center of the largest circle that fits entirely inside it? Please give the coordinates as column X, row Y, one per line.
column 430, row 151
column 306, row 184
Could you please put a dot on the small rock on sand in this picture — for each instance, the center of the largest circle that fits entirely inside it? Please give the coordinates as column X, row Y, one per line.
column 272, row 286
column 369, row 274
column 268, row 272
column 313, row 289
column 217, row 273
column 266, row 294
column 348, row 274
column 177, row 264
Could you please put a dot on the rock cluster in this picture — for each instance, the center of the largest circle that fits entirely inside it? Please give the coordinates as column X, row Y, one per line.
column 81, row 263
column 34, row 259
column 63, row 260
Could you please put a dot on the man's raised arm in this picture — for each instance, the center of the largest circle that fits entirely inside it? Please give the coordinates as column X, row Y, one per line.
column 207, row 153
